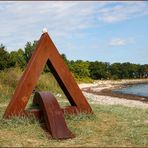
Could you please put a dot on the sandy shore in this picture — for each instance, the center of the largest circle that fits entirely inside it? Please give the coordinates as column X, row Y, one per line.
column 112, row 83
column 100, row 92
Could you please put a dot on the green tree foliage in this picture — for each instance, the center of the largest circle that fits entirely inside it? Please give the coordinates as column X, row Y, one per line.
column 17, row 58
column 128, row 70
column 143, row 71
column 5, row 60
column 99, row 70
column 116, row 70
column 65, row 58
column 29, row 48
column 80, row 68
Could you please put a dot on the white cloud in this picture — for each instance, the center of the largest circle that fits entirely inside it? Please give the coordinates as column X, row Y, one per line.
column 121, row 41
column 23, row 21
column 121, row 11
column 118, row 42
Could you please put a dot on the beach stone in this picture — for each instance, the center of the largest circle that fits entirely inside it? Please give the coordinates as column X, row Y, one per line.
column 146, row 122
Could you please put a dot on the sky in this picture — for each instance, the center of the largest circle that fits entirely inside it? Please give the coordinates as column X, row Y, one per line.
column 107, row 31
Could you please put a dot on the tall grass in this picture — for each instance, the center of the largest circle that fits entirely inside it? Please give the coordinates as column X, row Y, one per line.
column 10, row 77
column 8, row 81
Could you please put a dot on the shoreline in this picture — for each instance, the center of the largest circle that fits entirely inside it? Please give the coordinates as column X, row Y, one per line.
column 109, row 92
column 106, row 87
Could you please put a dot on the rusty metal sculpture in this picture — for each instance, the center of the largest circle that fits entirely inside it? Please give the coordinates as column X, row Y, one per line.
column 46, row 52
column 53, row 115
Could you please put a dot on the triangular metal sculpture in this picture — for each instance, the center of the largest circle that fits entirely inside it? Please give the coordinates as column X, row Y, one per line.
column 46, row 52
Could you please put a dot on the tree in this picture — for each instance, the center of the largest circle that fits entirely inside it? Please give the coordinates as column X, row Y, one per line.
column 65, row 58
column 124, row 70
column 29, row 48
column 115, row 70
column 17, row 58
column 99, row 70
column 79, row 68
column 143, row 71
column 5, row 60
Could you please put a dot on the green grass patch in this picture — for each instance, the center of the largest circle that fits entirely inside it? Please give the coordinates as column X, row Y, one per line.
column 108, row 126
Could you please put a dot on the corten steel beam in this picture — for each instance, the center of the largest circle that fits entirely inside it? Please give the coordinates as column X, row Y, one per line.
column 53, row 115
column 46, row 52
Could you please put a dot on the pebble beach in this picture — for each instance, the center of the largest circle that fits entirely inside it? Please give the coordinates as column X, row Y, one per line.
column 100, row 92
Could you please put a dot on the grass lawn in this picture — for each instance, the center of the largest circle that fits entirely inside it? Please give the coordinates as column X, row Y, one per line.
column 109, row 126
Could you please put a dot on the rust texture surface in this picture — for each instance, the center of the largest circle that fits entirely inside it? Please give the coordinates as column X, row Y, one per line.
column 46, row 52
column 53, row 115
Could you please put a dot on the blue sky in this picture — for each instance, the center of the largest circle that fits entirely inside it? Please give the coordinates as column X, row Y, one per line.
column 105, row 31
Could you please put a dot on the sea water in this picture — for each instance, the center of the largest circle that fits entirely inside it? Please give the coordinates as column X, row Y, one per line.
column 137, row 89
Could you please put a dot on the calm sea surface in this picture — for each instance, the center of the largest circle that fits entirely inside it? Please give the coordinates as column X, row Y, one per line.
column 138, row 89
